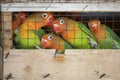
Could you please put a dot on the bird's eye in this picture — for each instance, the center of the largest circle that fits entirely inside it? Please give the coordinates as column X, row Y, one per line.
column 50, row 37
column 61, row 21
column 44, row 15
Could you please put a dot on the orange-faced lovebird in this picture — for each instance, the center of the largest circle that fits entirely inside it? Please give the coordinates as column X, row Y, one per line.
column 77, row 34
column 19, row 19
column 30, row 31
column 106, row 38
column 52, row 41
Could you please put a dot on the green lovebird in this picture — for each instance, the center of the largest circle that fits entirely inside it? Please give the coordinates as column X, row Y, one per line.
column 106, row 38
column 76, row 33
column 30, row 32
column 52, row 41
column 29, row 43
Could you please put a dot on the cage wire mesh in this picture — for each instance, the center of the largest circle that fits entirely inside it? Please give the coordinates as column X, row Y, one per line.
column 61, row 1
column 111, row 19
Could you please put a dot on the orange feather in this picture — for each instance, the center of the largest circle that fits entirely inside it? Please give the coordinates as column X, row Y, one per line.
column 18, row 20
column 98, row 30
column 51, row 41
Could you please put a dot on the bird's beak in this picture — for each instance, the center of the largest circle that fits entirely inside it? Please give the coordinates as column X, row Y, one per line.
column 44, row 43
column 50, row 20
column 95, row 29
column 56, row 28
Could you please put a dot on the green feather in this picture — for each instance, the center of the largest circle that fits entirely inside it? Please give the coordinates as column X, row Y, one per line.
column 107, row 43
column 67, row 45
column 112, row 34
column 39, row 33
column 87, row 33
column 16, row 37
column 28, row 43
column 86, row 30
column 111, row 40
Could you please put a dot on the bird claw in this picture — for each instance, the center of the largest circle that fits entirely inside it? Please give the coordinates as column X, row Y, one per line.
column 114, row 45
column 37, row 47
column 57, row 52
column 92, row 43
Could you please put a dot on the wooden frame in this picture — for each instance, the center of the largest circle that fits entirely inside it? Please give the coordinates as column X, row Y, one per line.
column 61, row 7
column 74, row 65
column 7, row 30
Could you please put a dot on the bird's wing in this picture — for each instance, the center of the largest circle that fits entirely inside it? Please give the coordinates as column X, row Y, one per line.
column 39, row 33
column 86, row 30
column 112, row 34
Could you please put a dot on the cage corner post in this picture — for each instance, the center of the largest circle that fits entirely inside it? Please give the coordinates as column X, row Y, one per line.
column 7, row 31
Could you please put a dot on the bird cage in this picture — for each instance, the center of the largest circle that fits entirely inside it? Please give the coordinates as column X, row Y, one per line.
column 38, row 63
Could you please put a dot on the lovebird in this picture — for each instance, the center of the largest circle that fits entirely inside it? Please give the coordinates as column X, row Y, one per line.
column 18, row 20
column 52, row 41
column 76, row 33
column 106, row 38
column 30, row 32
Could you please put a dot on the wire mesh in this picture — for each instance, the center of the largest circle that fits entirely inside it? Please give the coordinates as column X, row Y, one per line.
column 111, row 19
column 61, row 1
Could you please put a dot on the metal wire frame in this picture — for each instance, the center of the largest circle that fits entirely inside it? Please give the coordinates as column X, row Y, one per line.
column 111, row 19
column 60, row 1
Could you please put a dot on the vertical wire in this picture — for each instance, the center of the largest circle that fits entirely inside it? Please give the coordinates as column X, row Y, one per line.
column 105, row 28
column 35, row 27
column 27, row 32
column 66, row 26
column 113, row 21
column 81, row 32
column 74, row 15
column 98, row 19
column 89, row 21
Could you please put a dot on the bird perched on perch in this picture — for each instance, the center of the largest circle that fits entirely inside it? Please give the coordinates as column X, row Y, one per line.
column 52, row 41
column 106, row 38
column 18, row 20
column 75, row 33
column 30, row 31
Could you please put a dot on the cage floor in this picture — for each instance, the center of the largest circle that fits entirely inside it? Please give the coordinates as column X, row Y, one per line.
column 74, row 65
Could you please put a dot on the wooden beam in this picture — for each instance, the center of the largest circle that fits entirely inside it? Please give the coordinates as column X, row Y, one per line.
column 74, row 65
column 62, row 7
column 7, row 30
